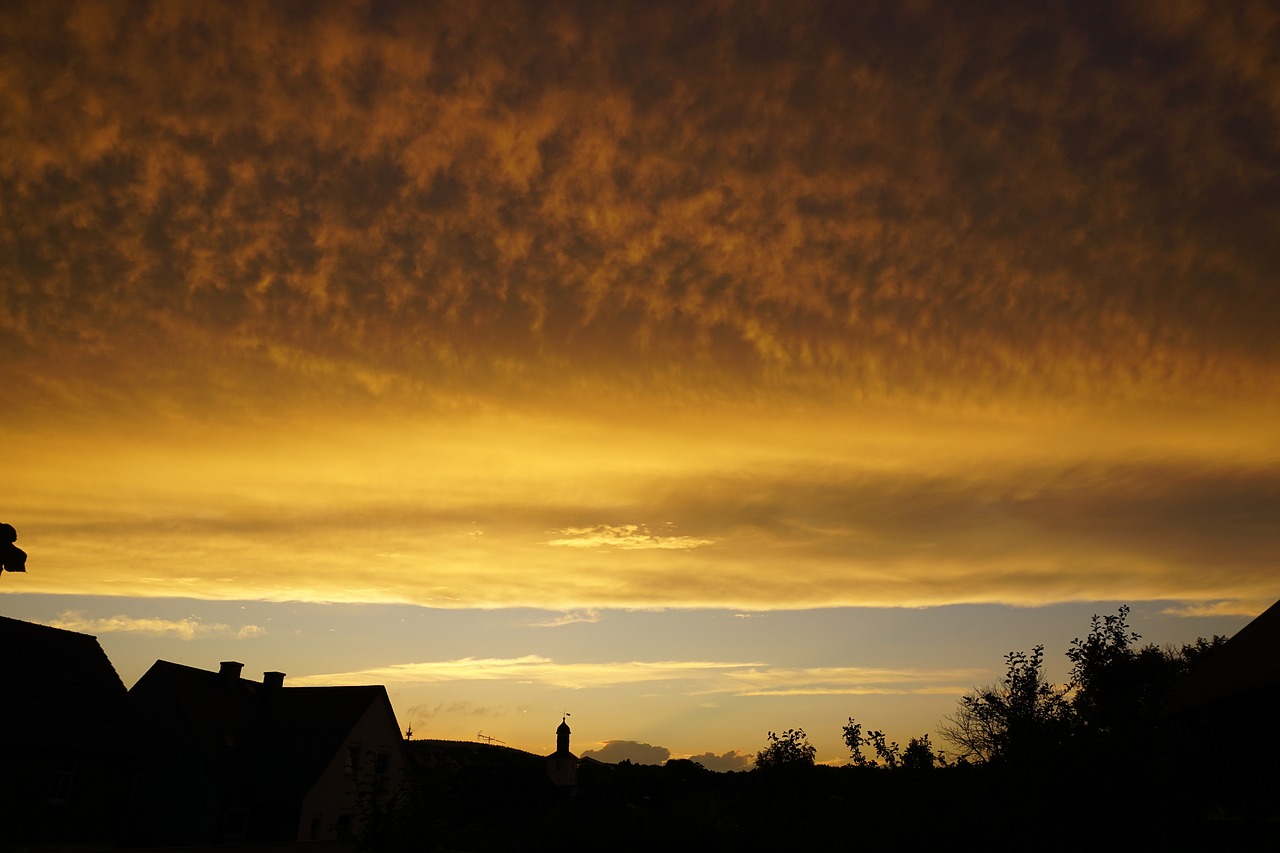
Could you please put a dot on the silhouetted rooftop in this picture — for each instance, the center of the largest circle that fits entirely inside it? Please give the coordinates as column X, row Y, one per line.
column 282, row 738
column 60, row 690
column 1247, row 662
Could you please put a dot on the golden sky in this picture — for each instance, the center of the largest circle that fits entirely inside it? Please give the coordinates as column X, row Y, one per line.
column 580, row 306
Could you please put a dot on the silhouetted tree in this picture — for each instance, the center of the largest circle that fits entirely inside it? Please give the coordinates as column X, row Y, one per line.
column 855, row 740
column 1022, row 719
column 1102, row 674
column 1192, row 653
column 790, row 749
column 390, row 820
column 1119, row 690
column 1113, row 700
column 918, row 755
column 685, row 766
column 889, row 753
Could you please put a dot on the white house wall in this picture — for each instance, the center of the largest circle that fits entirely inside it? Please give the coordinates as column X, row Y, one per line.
column 334, row 794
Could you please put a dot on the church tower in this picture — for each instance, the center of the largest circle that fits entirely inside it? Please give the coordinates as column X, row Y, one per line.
column 562, row 765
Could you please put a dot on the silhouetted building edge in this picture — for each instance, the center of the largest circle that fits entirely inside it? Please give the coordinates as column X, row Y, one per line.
column 1223, row 717
column 243, row 761
column 70, row 748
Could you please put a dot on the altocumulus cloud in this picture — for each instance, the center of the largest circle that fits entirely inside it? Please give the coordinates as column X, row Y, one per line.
column 463, row 708
column 873, row 197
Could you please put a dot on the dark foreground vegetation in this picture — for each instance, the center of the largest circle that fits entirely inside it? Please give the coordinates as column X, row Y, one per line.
column 1144, row 748
column 1126, row 754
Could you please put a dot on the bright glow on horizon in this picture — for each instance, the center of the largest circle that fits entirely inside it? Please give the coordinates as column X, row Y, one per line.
column 916, row 516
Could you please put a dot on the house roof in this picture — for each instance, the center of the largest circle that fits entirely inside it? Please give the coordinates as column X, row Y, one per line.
column 269, row 741
column 1247, row 662
column 302, row 728
column 60, row 691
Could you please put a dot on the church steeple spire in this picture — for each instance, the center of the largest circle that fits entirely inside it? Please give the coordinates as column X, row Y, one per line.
column 562, row 735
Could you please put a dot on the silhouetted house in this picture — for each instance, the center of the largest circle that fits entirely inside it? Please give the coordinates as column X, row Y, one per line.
column 243, row 761
column 1224, row 714
column 562, row 765
column 69, row 748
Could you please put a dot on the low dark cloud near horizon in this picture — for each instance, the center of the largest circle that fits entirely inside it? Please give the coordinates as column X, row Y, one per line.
column 727, row 762
column 395, row 200
column 615, row 751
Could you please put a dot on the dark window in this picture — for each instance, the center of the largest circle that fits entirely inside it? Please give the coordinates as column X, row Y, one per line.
column 381, row 770
column 60, row 784
column 235, row 824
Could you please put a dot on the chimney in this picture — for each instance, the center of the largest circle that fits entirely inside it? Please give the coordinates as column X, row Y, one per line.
column 273, row 679
column 230, row 671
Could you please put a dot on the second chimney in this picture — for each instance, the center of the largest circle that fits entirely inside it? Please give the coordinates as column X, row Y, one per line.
column 273, row 679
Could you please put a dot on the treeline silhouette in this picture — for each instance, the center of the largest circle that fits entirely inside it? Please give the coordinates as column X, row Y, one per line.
column 1028, row 764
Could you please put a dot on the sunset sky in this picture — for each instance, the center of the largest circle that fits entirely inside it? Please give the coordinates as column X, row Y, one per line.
column 700, row 369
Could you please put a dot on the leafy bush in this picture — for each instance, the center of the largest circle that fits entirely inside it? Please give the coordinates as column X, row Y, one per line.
column 790, row 749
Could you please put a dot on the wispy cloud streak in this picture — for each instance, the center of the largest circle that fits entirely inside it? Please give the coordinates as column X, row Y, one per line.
column 572, row 618
column 696, row 677
column 190, row 628
column 625, row 536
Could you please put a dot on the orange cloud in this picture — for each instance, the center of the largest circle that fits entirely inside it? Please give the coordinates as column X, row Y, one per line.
column 435, row 196
column 915, row 305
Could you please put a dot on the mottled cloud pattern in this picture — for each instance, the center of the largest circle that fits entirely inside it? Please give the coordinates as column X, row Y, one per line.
column 643, row 304
column 389, row 197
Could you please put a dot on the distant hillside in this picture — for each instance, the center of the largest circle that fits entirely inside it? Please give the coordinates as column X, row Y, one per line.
column 465, row 753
